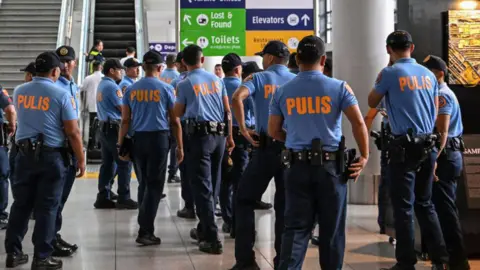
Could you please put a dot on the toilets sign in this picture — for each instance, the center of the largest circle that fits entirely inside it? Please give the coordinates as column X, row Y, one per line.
column 239, row 26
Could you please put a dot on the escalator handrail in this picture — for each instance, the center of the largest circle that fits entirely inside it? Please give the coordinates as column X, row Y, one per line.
column 139, row 29
column 82, row 69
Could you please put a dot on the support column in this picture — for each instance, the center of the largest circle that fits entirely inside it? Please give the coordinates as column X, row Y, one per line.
column 360, row 30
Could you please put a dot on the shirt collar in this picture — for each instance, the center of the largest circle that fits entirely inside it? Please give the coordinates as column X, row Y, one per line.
column 197, row 70
column 98, row 72
column 128, row 79
column 310, row 73
column 42, row 79
column 232, row 78
column 109, row 79
column 443, row 85
column 277, row 68
column 406, row 60
column 169, row 69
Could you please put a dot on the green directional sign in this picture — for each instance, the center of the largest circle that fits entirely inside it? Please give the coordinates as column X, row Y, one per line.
column 212, row 19
column 216, row 43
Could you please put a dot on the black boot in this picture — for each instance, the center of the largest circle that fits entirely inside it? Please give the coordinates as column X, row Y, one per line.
column 127, row 204
column 262, row 205
column 113, row 196
column 104, row 203
column 246, row 266
column 148, row 240
column 61, row 251
column 211, row 247
column 14, row 260
column 46, row 264
column 186, row 213
column 64, row 243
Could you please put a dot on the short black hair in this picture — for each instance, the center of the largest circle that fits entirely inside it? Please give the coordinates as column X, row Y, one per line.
column 97, row 42
column 192, row 55
column 131, row 49
column 218, row 65
column 292, row 62
column 96, row 65
column 171, row 59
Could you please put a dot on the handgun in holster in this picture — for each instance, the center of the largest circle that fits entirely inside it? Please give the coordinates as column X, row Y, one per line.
column 126, row 147
column 37, row 147
column 317, row 153
column 67, row 153
column 226, row 119
column 462, row 145
column 377, row 138
column 286, row 158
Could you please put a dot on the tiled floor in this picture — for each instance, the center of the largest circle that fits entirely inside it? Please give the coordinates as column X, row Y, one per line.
column 107, row 238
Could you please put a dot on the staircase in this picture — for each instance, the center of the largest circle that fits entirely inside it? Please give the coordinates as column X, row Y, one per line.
column 27, row 28
column 115, row 26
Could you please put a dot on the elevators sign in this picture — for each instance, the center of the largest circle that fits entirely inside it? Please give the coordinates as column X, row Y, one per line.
column 472, row 170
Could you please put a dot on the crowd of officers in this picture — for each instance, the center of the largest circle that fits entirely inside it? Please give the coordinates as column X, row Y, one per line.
column 286, row 125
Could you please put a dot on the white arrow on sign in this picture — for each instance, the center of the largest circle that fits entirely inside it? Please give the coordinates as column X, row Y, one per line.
column 186, row 42
column 305, row 19
column 151, row 47
column 187, row 18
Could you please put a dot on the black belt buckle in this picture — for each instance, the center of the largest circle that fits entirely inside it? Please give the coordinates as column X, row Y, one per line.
column 286, row 157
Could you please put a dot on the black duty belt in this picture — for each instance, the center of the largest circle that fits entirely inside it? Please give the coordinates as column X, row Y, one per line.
column 110, row 124
column 306, row 156
column 455, row 144
column 27, row 146
column 205, row 128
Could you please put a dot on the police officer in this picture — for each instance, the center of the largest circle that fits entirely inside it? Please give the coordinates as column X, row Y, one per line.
column 66, row 83
column 188, row 211
column 411, row 97
column 132, row 71
column 29, row 72
column 265, row 162
column 449, row 165
column 109, row 102
column 151, row 102
column 170, row 73
column 232, row 67
column 311, row 106
column 46, row 115
column 95, row 54
column 202, row 99
column 6, row 129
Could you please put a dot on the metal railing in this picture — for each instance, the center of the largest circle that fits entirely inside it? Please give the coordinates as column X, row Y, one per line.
column 65, row 23
column 140, row 26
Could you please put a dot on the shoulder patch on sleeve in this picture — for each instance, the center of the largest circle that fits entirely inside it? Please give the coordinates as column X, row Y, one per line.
column 379, row 78
column 442, row 101
column 119, row 93
column 5, row 92
column 248, row 78
column 349, row 89
column 74, row 104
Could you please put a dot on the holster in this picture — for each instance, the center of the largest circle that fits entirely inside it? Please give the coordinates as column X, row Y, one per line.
column 412, row 150
column 109, row 127
column 29, row 148
column 194, row 128
column 67, row 153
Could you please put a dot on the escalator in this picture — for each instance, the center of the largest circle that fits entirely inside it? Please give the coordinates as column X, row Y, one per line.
column 114, row 24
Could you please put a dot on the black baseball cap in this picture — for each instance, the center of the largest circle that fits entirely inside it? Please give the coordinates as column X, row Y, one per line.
column 29, row 68
column 275, row 48
column 66, row 53
column 400, row 39
column 131, row 63
column 152, row 58
column 112, row 63
column 311, row 47
column 435, row 62
column 179, row 57
column 231, row 61
column 47, row 61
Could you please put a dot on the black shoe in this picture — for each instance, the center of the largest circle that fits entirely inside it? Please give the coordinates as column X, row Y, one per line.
column 194, row 234
column 440, row 267
column 383, row 230
column 113, row 196
column 61, row 251
column 218, row 213
column 211, row 248
column 173, row 179
column 186, row 213
column 3, row 224
column 66, row 244
column 244, row 266
column 315, row 241
column 163, row 196
column 103, row 203
column 46, row 264
column 14, row 260
column 263, row 205
column 226, row 228
column 396, row 267
column 127, row 204
column 148, row 240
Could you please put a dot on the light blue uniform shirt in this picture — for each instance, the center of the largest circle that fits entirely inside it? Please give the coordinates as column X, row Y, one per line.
column 174, row 84
column 168, row 75
column 232, row 84
column 125, row 83
column 72, row 88
column 312, row 105
column 410, row 90
column 149, row 100
column 448, row 104
column 109, row 98
column 42, row 107
column 202, row 93
column 261, row 88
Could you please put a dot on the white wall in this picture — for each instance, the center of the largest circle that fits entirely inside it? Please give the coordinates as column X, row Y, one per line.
column 161, row 20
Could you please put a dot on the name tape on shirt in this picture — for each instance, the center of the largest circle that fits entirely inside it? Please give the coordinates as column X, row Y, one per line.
column 442, row 101
column 33, row 103
column 415, row 83
column 140, row 95
column 309, row 105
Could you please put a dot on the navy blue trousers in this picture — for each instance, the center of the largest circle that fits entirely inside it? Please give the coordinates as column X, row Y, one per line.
column 411, row 192
column 67, row 188
column 4, row 174
column 150, row 154
column 444, row 198
column 314, row 191
column 205, row 158
column 264, row 165
column 38, row 184
column 112, row 165
column 383, row 192
column 187, row 194
column 172, row 165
